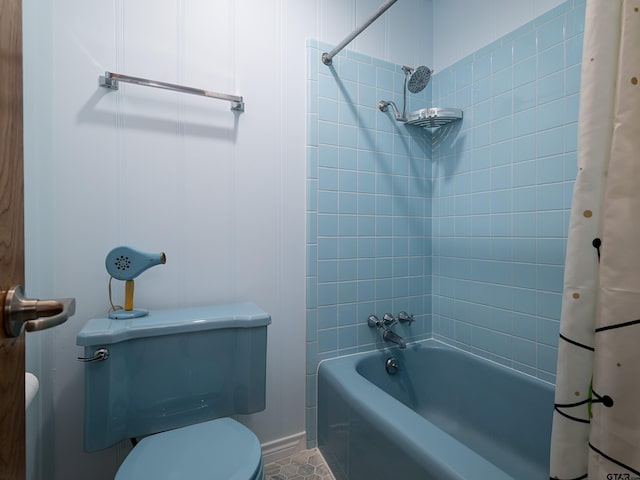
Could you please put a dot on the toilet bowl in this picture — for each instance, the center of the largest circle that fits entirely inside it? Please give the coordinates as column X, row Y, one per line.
column 172, row 378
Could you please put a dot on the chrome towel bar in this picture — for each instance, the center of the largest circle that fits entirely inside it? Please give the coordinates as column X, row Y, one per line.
column 110, row 80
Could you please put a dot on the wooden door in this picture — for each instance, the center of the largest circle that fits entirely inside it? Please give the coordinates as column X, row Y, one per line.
column 12, row 406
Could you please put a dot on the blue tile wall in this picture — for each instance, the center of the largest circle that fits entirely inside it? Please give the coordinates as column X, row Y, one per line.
column 502, row 189
column 465, row 226
column 368, row 209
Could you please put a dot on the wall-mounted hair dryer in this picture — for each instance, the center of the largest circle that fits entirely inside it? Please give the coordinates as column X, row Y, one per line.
column 126, row 263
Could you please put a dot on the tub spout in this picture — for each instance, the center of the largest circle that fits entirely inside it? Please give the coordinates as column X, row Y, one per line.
column 391, row 336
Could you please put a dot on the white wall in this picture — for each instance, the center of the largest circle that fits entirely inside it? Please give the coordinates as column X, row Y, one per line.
column 221, row 194
column 461, row 27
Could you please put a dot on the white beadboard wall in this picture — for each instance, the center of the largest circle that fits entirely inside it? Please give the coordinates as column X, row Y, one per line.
column 222, row 194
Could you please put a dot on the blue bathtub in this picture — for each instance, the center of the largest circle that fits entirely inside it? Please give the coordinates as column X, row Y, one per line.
column 445, row 414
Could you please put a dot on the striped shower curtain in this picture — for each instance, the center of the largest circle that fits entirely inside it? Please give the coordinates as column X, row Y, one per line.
column 596, row 423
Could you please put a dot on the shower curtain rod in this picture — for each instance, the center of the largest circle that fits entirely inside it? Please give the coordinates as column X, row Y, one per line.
column 327, row 57
column 110, row 80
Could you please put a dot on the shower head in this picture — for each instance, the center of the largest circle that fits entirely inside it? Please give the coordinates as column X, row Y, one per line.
column 415, row 79
column 419, row 78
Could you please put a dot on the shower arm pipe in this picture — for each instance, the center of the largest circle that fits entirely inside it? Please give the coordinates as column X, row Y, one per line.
column 383, row 106
column 328, row 57
column 110, row 80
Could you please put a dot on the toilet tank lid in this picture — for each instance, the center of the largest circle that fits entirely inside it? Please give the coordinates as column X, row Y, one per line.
column 104, row 331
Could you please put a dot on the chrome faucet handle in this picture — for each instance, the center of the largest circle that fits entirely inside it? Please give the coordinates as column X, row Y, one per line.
column 389, row 320
column 405, row 317
column 374, row 322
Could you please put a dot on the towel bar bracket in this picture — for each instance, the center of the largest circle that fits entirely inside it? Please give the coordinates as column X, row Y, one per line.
column 108, row 82
column 237, row 106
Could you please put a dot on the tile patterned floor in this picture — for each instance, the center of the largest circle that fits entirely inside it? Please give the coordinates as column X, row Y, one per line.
column 304, row 465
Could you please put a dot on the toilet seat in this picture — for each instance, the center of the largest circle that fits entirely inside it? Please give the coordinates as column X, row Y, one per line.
column 221, row 449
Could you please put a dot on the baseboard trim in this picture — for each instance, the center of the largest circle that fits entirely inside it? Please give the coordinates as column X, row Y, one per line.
column 283, row 447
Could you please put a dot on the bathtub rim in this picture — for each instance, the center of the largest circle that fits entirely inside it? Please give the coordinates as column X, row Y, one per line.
column 438, row 343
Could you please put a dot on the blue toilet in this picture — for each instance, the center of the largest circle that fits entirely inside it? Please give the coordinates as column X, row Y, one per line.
column 167, row 381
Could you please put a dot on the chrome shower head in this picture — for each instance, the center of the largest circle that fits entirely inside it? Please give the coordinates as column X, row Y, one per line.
column 415, row 79
column 419, row 78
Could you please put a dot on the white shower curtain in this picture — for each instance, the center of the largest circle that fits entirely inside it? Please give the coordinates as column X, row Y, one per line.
column 596, row 423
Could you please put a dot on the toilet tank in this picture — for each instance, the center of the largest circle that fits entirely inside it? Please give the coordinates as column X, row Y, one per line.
column 172, row 368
